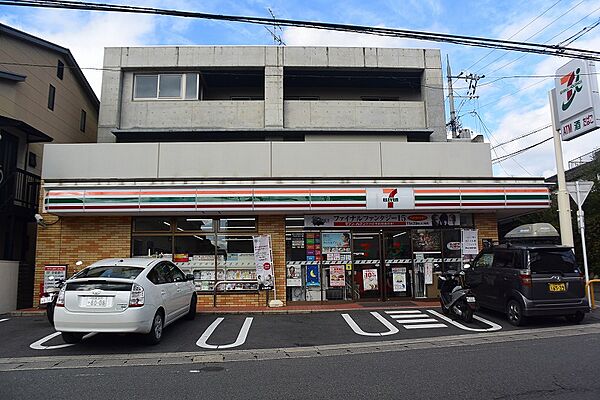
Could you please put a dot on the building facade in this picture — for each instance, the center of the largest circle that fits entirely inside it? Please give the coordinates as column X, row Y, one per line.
column 44, row 97
column 338, row 155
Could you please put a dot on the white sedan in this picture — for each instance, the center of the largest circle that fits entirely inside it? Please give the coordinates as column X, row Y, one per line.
column 124, row 295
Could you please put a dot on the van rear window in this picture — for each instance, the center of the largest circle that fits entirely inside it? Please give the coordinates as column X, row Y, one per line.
column 552, row 261
column 110, row 271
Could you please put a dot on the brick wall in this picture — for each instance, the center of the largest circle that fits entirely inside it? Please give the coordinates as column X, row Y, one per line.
column 487, row 224
column 66, row 240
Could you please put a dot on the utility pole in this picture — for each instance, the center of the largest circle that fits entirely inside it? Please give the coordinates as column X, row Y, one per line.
column 453, row 121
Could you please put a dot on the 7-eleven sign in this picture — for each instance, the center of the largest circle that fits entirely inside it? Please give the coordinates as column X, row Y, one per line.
column 389, row 198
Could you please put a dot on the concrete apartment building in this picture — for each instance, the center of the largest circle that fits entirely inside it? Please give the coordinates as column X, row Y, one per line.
column 340, row 155
column 44, row 98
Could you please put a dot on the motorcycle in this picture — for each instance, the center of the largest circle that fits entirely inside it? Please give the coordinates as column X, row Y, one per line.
column 455, row 297
column 49, row 297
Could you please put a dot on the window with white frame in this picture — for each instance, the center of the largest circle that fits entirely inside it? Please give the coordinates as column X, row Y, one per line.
column 166, row 86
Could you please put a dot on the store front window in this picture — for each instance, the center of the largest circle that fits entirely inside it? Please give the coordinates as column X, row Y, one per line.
column 211, row 255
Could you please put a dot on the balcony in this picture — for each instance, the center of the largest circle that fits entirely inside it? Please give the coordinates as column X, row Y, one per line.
column 19, row 189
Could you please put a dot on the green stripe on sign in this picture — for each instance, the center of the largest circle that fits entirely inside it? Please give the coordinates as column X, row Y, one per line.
column 282, row 199
column 167, row 200
column 527, row 197
column 434, row 198
column 111, row 200
column 62, row 201
column 471, row 197
column 338, row 198
column 225, row 199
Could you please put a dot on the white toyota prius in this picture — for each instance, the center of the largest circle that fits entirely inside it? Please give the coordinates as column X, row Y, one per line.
column 124, row 295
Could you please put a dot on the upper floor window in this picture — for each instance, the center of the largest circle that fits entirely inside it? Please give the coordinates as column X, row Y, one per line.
column 51, row 95
column 60, row 70
column 166, row 86
column 82, row 121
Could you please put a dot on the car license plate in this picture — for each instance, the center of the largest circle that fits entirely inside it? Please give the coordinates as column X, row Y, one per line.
column 45, row 300
column 557, row 287
column 96, row 302
column 470, row 299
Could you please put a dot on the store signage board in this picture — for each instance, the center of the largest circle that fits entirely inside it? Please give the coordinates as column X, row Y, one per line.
column 577, row 99
column 584, row 188
column 263, row 258
column 56, row 272
column 390, row 198
column 381, row 220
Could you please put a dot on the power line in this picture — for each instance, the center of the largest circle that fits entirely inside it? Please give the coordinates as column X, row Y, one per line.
column 510, row 155
column 523, row 136
column 392, row 32
column 579, row 34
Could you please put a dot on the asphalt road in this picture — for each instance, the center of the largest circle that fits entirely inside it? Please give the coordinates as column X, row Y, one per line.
column 554, row 368
column 33, row 336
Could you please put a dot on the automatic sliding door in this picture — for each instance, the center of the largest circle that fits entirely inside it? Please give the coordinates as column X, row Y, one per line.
column 366, row 249
column 398, row 264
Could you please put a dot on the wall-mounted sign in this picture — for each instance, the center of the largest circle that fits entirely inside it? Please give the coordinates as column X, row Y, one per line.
column 390, row 198
column 53, row 273
column 263, row 259
column 381, row 220
column 576, row 98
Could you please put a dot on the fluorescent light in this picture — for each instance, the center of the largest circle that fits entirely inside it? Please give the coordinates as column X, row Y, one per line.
column 166, row 223
column 400, row 234
column 179, row 229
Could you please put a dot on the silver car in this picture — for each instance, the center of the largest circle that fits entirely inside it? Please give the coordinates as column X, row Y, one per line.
column 124, row 295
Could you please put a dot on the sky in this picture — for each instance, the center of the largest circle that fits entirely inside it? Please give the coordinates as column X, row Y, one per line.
column 506, row 106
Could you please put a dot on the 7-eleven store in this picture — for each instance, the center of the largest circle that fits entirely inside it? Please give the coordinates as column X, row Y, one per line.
column 331, row 241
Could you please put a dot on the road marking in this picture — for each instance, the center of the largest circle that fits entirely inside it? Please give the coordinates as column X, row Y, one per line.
column 4, row 319
column 493, row 326
column 391, row 328
column 409, row 316
column 426, row 319
column 39, row 344
column 403, row 312
column 241, row 338
column 426, row 326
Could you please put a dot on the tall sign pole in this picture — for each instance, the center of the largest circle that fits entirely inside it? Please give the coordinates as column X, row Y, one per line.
column 579, row 191
column 564, row 205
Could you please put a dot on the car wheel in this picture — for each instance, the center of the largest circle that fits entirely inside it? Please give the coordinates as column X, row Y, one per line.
column 514, row 311
column 155, row 334
column 50, row 313
column 71, row 337
column 192, row 311
column 575, row 318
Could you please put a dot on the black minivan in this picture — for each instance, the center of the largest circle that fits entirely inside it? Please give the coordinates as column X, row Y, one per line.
column 526, row 280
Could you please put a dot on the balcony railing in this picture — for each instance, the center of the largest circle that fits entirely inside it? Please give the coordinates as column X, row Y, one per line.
column 20, row 188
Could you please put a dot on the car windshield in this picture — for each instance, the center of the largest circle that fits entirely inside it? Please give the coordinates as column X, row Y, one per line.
column 552, row 261
column 110, row 271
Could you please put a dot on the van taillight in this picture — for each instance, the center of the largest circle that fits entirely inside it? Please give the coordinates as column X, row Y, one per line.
column 525, row 278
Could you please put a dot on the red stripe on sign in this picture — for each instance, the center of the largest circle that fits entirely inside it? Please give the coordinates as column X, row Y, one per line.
column 301, row 205
column 526, row 203
column 484, row 204
column 167, row 206
column 200, row 206
column 113, row 207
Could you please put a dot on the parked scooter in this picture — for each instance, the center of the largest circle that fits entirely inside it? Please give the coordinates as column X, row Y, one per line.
column 49, row 297
column 455, row 297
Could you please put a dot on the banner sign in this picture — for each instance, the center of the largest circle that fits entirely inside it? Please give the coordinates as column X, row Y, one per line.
column 56, row 272
column 337, row 276
column 312, row 275
column 399, row 279
column 263, row 258
column 381, row 220
column 370, row 281
column 576, row 98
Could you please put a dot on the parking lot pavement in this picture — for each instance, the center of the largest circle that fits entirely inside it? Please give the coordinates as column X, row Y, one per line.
column 33, row 336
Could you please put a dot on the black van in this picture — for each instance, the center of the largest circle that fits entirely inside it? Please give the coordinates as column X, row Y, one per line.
column 526, row 280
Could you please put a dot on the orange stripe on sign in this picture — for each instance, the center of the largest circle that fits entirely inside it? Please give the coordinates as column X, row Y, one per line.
column 290, row 191
column 54, row 193
column 527, row 190
column 168, row 192
column 482, row 190
column 319, row 191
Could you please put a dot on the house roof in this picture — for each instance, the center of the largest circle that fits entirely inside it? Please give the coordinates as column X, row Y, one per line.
column 33, row 135
column 66, row 53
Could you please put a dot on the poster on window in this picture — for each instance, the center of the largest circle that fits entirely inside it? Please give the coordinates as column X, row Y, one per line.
column 312, row 275
column 52, row 273
column 370, row 281
column 294, row 278
column 428, row 273
column 338, row 241
column 337, row 276
column 263, row 260
column 399, row 279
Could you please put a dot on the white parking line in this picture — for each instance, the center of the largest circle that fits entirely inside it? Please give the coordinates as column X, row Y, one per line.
column 241, row 338
column 391, row 328
column 39, row 344
column 425, row 326
column 408, row 316
column 418, row 321
column 403, row 312
column 4, row 319
column 493, row 326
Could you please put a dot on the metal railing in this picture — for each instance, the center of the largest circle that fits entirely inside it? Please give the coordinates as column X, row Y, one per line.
column 219, row 283
column 589, row 287
column 20, row 188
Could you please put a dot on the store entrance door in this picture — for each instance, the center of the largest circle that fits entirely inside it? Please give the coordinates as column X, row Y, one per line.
column 366, row 248
column 398, row 277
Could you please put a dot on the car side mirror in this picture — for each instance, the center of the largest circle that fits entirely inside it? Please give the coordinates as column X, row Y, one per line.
column 466, row 266
column 189, row 277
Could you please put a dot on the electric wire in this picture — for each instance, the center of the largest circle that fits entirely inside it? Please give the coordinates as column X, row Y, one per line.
column 524, row 135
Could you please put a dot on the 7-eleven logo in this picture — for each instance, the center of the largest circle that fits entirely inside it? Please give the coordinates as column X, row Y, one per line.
column 573, row 84
column 390, row 197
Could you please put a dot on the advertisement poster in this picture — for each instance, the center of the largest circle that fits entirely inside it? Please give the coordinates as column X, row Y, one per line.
column 469, row 241
column 428, row 273
column 294, row 277
column 370, row 281
column 336, row 240
column 381, row 220
column 399, row 279
column 337, row 276
column 312, row 275
column 264, row 261
column 56, row 272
